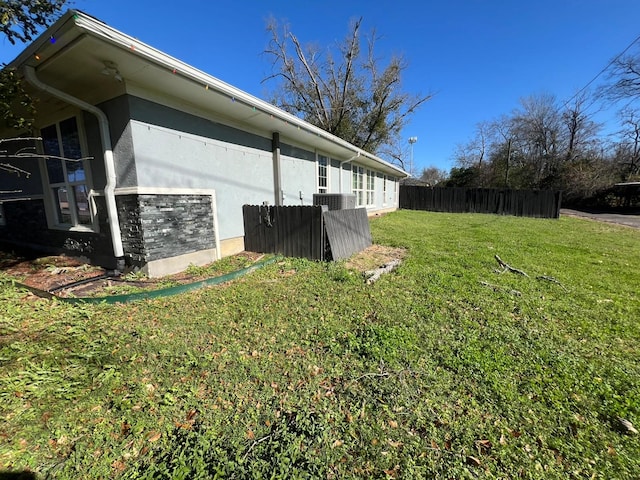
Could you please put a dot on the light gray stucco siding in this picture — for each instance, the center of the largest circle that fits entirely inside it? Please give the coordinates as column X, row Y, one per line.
column 299, row 180
column 171, row 159
column 118, row 112
column 152, row 113
column 334, row 176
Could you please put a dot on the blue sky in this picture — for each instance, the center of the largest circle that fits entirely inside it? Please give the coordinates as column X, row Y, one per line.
column 478, row 57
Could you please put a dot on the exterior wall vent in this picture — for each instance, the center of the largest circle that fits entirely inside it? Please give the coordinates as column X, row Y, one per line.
column 335, row 201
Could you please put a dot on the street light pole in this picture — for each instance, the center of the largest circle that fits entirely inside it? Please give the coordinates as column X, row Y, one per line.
column 412, row 140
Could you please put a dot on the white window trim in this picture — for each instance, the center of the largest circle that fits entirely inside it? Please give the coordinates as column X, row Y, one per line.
column 49, row 198
column 327, row 170
column 368, row 195
column 357, row 178
column 384, row 190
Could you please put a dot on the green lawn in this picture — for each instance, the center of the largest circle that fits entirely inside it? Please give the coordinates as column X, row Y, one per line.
column 443, row 369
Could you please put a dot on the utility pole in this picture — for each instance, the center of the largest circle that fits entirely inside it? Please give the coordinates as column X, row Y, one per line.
column 506, row 170
column 412, row 140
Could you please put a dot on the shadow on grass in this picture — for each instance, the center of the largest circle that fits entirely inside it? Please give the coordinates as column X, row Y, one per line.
column 24, row 475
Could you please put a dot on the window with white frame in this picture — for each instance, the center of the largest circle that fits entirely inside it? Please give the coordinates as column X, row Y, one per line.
column 67, row 175
column 363, row 185
column 384, row 189
column 371, row 187
column 357, row 185
column 323, row 174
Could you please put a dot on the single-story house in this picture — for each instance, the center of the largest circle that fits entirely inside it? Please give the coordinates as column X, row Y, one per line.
column 140, row 159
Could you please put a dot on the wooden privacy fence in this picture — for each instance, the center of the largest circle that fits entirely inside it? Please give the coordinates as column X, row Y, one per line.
column 306, row 231
column 520, row 203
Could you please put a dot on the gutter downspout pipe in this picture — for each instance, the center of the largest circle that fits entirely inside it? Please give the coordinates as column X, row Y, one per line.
column 109, row 164
column 277, row 170
column 342, row 163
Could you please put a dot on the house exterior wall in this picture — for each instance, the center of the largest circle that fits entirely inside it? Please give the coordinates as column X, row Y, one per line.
column 239, row 175
column 20, row 185
column 384, row 190
column 172, row 141
column 118, row 112
column 345, row 175
column 26, row 226
column 299, row 176
column 164, row 150
column 334, row 176
column 174, row 149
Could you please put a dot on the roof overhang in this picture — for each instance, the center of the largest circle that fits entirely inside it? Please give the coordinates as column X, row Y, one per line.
column 73, row 55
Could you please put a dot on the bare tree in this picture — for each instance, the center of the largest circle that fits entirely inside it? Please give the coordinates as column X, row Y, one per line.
column 345, row 91
column 501, row 150
column 396, row 151
column 473, row 153
column 628, row 148
column 433, row 175
column 624, row 78
column 537, row 128
column 581, row 131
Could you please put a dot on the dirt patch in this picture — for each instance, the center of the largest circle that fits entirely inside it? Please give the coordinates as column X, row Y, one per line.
column 47, row 273
column 70, row 277
column 374, row 257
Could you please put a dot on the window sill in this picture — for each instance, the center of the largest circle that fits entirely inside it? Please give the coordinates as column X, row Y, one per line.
column 75, row 229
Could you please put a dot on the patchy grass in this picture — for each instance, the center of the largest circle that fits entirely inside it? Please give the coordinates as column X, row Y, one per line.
column 300, row 370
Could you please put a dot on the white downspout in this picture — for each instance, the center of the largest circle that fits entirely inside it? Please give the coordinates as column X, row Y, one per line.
column 277, row 170
column 109, row 165
column 342, row 163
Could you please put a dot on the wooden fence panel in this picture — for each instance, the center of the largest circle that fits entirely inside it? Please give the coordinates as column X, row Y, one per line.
column 524, row 203
column 306, row 231
column 348, row 232
column 291, row 231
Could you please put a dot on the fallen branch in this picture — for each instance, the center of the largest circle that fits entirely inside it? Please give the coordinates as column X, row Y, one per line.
column 374, row 275
column 550, row 279
column 256, row 442
column 506, row 267
column 373, row 374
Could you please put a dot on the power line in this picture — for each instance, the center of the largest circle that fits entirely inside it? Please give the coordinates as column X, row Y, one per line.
column 615, row 59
